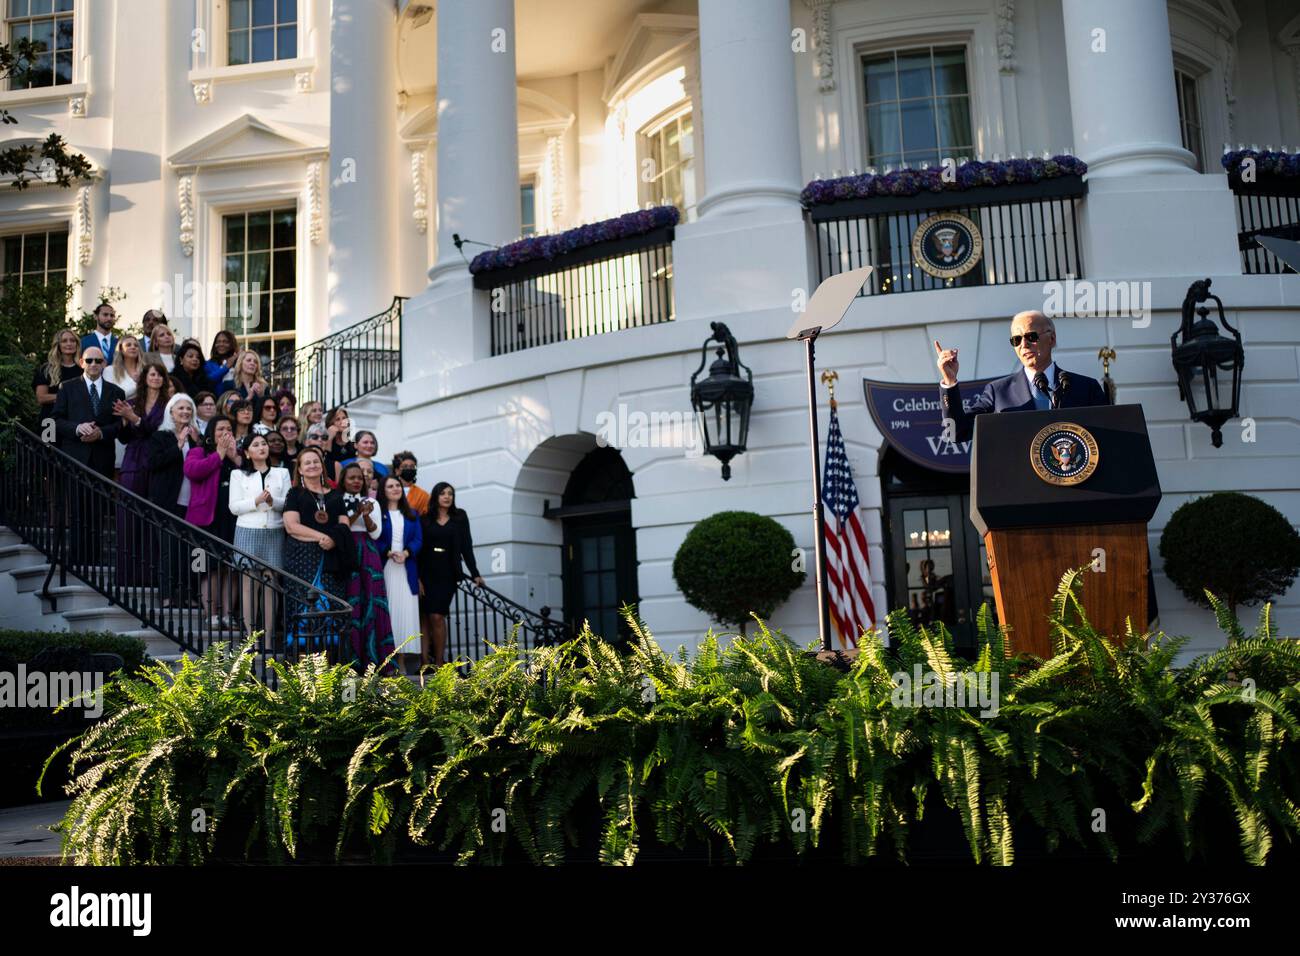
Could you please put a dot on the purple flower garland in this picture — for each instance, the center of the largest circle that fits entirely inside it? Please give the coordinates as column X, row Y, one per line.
column 911, row 182
column 551, row 247
column 1269, row 164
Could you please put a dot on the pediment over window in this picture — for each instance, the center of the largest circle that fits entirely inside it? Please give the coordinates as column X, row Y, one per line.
column 248, row 140
column 652, row 40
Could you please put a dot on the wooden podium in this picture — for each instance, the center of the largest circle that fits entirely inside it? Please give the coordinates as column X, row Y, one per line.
column 1060, row 489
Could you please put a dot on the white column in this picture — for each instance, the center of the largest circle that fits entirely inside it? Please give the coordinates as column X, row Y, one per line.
column 478, row 131
column 751, row 151
column 363, row 164
column 1122, row 99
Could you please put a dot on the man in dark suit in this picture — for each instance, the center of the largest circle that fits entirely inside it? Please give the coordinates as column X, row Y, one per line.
column 84, row 420
column 103, row 338
column 86, row 426
column 1040, row 384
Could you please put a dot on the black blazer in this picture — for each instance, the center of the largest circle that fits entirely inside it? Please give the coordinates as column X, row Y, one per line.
column 1011, row 394
column 166, row 470
column 464, row 543
column 72, row 408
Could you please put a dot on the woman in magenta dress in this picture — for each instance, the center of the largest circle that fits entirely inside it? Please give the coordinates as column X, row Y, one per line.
column 140, row 419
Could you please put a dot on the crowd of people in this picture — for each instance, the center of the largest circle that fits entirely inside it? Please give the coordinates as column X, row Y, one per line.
column 208, row 440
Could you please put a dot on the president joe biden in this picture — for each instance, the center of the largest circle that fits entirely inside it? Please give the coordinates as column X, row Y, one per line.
column 1040, row 384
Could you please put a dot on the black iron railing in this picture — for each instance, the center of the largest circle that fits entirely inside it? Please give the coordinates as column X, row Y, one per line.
column 1265, row 209
column 622, row 284
column 344, row 366
column 176, row 579
column 1029, row 233
column 479, row 616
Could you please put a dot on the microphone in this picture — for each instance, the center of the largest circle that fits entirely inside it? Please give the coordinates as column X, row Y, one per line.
column 1040, row 383
column 1062, row 383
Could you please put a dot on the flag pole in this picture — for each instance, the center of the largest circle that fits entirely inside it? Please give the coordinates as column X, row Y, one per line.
column 819, row 513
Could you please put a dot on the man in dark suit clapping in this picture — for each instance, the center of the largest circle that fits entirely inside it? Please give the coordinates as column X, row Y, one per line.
column 1040, row 384
column 86, row 426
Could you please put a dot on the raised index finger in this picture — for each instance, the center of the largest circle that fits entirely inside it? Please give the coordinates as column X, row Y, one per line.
column 937, row 349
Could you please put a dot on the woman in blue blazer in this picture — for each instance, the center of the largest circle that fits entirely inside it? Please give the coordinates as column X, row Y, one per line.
column 400, row 538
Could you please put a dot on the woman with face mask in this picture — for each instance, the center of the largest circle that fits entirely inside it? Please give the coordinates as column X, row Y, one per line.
column 406, row 467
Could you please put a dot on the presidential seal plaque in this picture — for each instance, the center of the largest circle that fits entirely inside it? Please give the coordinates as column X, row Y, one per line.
column 1063, row 453
column 947, row 245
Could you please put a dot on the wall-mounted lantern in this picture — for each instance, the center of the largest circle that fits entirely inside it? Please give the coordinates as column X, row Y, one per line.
column 1208, row 364
column 723, row 400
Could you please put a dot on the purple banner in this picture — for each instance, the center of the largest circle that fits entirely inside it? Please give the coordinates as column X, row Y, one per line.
column 910, row 416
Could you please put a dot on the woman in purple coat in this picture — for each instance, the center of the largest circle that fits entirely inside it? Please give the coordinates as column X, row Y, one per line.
column 141, row 417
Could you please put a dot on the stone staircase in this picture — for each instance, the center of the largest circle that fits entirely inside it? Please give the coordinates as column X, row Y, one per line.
column 79, row 606
column 377, row 412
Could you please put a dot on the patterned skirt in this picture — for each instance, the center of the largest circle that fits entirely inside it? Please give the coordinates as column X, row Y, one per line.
column 266, row 544
column 310, row 634
column 372, row 631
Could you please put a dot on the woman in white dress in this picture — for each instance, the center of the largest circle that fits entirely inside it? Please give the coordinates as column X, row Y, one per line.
column 128, row 362
column 399, row 543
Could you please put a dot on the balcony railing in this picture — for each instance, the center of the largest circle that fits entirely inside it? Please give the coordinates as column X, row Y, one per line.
column 1030, row 233
column 344, row 366
column 1265, row 209
column 623, row 284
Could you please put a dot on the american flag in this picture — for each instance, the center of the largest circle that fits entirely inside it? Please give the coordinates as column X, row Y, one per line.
column 848, row 572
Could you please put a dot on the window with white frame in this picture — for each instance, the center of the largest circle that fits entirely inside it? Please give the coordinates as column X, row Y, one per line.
column 261, row 266
column 917, row 104
column 48, row 25
column 528, row 208
column 261, row 31
column 37, row 256
column 1189, row 115
column 667, row 151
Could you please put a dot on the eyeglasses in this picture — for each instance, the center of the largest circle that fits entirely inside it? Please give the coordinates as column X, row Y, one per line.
column 1030, row 337
column 93, row 361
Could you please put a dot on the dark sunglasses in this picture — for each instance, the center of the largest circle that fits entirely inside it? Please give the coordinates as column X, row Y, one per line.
column 1030, row 337
column 93, row 361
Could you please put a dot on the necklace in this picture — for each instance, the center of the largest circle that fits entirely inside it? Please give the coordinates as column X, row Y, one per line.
column 322, row 516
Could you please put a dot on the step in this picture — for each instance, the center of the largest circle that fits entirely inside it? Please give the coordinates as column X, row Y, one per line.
column 110, row 617
column 8, row 537
column 18, row 555
column 30, row 577
column 71, row 597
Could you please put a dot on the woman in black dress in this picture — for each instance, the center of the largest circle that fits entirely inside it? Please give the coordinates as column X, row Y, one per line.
column 309, row 512
column 169, row 489
column 188, row 370
column 446, row 543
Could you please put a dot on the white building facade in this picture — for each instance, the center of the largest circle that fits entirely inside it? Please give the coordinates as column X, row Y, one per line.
column 331, row 151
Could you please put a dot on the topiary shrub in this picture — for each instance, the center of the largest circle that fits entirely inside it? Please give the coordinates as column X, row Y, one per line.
column 736, row 562
column 1238, row 547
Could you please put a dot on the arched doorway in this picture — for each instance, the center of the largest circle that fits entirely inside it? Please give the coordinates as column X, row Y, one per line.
column 599, row 551
column 937, row 567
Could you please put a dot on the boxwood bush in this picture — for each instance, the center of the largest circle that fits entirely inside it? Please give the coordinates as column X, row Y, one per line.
column 754, row 750
column 735, row 563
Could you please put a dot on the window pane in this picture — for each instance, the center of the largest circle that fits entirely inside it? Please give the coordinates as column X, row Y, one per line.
column 882, row 130
column 57, row 255
column 238, row 48
column 259, row 230
column 64, row 6
column 234, row 268
column 17, row 8
column 286, row 43
column 63, row 33
column 43, row 71
column 283, row 313
column 263, row 45
column 918, row 127
column 239, row 19
column 259, row 270
column 43, row 34
column 954, row 123
column 950, row 71
column 34, row 252
column 282, row 269
column 42, row 6
column 285, row 233
column 288, row 11
column 234, row 233
column 63, row 68
column 13, row 254
column 914, row 74
column 880, row 84
column 263, row 13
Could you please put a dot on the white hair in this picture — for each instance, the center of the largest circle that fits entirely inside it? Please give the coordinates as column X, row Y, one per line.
column 168, row 425
column 1051, row 326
